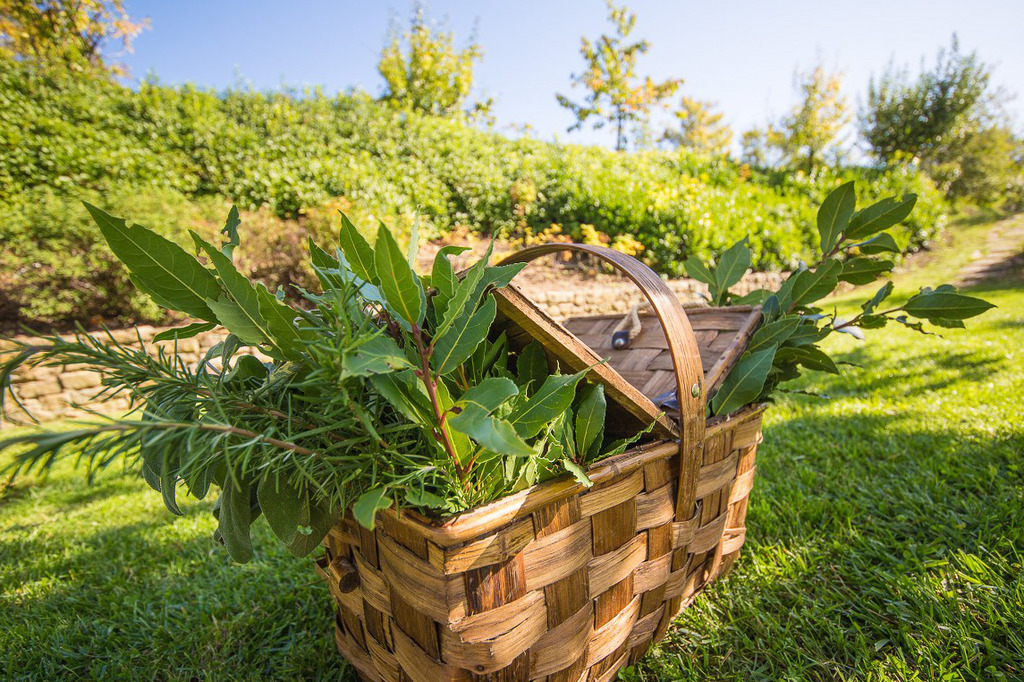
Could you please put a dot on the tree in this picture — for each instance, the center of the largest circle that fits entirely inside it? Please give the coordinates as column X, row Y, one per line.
column 754, row 147
column 72, row 33
column 950, row 121
column 700, row 128
column 811, row 130
column 425, row 72
column 905, row 118
column 616, row 94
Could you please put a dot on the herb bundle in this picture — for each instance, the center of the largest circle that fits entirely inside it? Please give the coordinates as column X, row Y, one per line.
column 387, row 390
column 852, row 249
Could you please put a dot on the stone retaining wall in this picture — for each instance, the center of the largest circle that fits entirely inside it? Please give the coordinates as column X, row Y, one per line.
column 53, row 392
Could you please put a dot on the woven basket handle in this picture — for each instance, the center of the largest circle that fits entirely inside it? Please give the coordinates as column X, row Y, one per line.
column 682, row 344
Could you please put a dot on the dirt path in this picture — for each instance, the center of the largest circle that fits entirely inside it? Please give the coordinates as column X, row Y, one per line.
column 1002, row 258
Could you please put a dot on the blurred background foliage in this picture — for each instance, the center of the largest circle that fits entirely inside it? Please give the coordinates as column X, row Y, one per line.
column 174, row 158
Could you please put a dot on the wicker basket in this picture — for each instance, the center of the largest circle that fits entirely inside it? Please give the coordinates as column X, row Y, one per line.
column 558, row 582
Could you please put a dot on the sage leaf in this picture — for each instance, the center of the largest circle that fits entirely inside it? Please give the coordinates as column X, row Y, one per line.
column 282, row 503
column 743, row 384
column 315, row 521
column 378, row 355
column 834, row 215
column 880, row 216
column 590, row 416
column 159, row 267
column 235, row 517
column 369, row 503
column 402, row 289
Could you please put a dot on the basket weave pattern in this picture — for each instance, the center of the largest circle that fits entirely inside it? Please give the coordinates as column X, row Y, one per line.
column 559, row 583
column 555, row 584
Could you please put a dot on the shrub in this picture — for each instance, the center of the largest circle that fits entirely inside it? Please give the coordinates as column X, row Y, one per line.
column 296, row 155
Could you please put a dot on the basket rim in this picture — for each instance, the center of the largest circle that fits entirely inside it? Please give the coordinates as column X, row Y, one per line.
column 474, row 523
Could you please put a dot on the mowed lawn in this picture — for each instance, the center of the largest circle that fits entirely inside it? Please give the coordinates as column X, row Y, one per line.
column 885, row 542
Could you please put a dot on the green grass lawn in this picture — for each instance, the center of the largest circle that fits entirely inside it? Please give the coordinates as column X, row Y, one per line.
column 885, row 542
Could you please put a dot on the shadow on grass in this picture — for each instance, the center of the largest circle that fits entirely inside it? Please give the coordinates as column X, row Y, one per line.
column 159, row 599
column 874, row 546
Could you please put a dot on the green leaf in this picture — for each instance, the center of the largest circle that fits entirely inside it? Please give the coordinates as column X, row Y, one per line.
column 369, row 503
column 426, row 499
column 495, row 434
column 466, row 333
column 773, row 333
column 230, row 232
column 532, row 367
column 316, row 520
column 807, row 286
column 357, row 251
column 880, row 243
column 278, row 319
column 864, row 270
column 239, row 312
column 946, row 305
column 755, row 297
column 402, row 289
column 590, row 415
column 834, row 215
column 461, row 301
column 809, row 357
column 236, row 320
column 247, row 367
column 326, row 266
column 489, row 394
column 476, row 420
column 743, row 384
column 159, row 267
column 552, row 398
column 732, row 266
column 282, row 503
column 577, row 472
column 880, row 216
column 806, row 333
column 235, row 517
column 414, row 242
column 378, row 355
column 876, row 300
column 442, row 276
column 186, row 332
column 402, row 391
column 696, row 269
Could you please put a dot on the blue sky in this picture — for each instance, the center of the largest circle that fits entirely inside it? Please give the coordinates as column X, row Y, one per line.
column 740, row 54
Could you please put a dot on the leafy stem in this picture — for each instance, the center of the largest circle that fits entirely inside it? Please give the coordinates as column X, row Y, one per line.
column 430, row 383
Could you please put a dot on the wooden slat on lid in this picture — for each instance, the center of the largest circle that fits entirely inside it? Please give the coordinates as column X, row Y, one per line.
column 518, row 312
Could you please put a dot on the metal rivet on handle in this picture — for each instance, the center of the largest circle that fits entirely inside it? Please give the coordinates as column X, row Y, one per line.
column 695, row 390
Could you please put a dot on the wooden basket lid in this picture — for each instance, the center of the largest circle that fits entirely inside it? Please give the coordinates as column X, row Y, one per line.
column 633, row 377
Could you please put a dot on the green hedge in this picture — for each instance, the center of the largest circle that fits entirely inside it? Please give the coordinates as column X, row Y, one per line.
column 167, row 156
